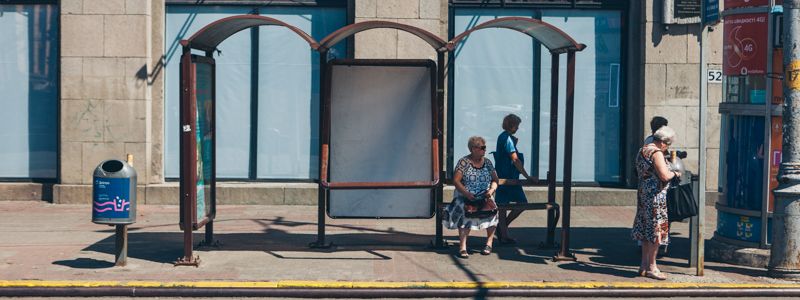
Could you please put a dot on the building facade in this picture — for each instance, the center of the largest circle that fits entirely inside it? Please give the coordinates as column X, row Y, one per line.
column 88, row 80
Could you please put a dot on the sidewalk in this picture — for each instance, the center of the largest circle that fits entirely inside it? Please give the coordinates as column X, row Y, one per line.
column 49, row 242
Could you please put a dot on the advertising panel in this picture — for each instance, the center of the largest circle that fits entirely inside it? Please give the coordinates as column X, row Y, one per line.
column 745, row 44
column 204, row 138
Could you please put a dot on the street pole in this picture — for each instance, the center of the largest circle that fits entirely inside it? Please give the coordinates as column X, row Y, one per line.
column 699, row 247
column 784, row 259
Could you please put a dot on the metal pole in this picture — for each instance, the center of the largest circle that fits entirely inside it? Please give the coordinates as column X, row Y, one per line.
column 564, row 253
column 784, row 259
column 440, row 63
column 323, row 142
column 701, row 158
column 767, row 143
column 551, row 169
column 121, row 246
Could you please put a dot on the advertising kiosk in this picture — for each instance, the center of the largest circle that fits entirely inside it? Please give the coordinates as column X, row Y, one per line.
column 751, row 129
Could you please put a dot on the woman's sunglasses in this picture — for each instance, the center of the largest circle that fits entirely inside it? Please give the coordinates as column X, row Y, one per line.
column 480, row 147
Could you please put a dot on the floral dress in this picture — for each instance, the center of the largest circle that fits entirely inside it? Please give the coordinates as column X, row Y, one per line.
column 651, row 212
column 475, row 180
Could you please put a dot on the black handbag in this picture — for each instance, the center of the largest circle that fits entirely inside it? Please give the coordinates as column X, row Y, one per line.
column 681, row 203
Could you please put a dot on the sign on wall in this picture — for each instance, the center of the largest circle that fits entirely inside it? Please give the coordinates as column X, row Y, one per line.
column 714, row 76
column 710, row 11
column 681, row 11
column 744, row 44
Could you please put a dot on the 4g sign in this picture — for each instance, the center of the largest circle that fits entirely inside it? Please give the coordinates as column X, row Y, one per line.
column 745, row 44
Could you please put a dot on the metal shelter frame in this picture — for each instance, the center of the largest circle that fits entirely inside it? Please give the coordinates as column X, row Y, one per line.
column 209, row 37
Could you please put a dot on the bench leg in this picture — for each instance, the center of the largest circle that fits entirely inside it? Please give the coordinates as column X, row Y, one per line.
column 552, row 221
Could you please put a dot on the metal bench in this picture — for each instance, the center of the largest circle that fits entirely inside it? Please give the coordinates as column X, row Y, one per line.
column 550, row 206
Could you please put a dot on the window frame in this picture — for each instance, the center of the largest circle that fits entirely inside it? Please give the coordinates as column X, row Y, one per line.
column 623, row 7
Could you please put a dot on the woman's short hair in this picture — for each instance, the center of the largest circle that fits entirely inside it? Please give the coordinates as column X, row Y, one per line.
column 657, row 122
column 664, row 134
column 474, row 141
column 510, row 121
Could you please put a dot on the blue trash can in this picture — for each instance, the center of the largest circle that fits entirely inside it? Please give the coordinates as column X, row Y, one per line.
column 114, row 193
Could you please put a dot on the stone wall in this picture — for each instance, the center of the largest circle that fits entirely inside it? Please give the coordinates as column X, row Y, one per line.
column 106, row 99
column 430, row 15
column 671, row 85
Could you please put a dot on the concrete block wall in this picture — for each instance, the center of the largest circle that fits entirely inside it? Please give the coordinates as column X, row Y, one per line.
column 430, row 15
column 671, row 85
column 106, row 97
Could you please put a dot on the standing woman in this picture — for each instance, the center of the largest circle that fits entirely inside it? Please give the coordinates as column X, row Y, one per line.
column 510, row 165
column 474, row 174
column 651, row 225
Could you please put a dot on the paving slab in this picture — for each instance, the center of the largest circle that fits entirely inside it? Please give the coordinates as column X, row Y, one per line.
column 268, row 243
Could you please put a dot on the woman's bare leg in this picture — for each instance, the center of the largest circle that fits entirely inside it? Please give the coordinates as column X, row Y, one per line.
column 490, row 235
column 463, row 233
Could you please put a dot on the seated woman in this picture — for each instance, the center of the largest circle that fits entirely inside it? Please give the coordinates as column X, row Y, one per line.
column 474, row 174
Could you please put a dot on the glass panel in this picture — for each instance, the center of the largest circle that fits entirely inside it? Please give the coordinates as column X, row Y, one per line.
column 742, row 160
column 233, row 89
column 29, row 85
column 494, row 75
column 596, row 148
column 288, row 97
column 745, row 89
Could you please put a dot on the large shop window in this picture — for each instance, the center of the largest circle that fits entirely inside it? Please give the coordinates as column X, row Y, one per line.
column 29, row 89
column 269, row 69
column 497, row 72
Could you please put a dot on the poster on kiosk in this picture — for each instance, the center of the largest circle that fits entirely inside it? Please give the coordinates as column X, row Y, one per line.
column 745, row 44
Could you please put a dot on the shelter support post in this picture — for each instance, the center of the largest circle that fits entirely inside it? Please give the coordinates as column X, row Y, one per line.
column 324, row 141
column 564, row 253
column 552, row 167
column 438, row 193
column 188, row 158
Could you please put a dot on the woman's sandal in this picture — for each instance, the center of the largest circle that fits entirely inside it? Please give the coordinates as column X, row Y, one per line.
column 641, row 272
column 655, row 275
column 463, row 254
column 487, row 250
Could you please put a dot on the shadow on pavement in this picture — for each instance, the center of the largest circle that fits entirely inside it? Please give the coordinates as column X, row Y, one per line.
column 85, row 263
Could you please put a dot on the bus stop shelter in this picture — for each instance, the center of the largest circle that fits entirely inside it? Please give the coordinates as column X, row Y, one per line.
column 197, row 124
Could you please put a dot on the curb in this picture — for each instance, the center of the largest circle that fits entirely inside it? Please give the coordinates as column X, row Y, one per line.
column 344, row 289
column 389, row 285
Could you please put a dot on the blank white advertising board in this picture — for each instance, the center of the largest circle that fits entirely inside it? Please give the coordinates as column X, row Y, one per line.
column 381, row 132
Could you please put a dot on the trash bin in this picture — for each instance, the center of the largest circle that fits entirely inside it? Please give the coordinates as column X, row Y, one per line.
column 114, row 193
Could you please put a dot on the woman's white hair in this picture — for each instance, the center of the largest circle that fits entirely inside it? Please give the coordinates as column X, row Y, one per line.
column 475, row 141
column 664, row 134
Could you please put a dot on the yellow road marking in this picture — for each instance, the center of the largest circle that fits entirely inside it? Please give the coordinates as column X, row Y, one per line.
column 390, row 285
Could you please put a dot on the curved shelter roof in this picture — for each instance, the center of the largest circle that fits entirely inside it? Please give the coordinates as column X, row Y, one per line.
column 349, row 30
column 550, row 36
column 210, row 36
